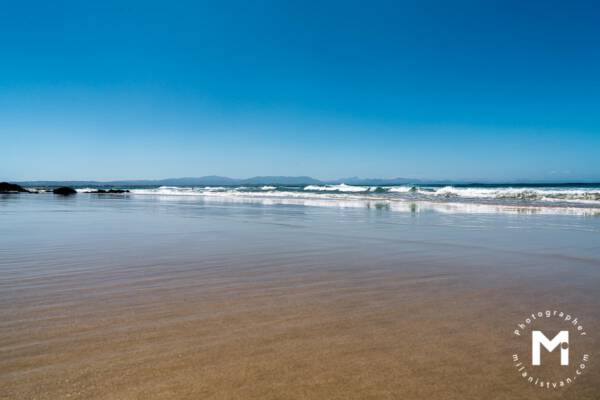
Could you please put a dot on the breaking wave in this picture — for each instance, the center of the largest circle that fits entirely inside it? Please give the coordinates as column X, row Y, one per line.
column 544, row 194
column 337, row 188
column 535, row 196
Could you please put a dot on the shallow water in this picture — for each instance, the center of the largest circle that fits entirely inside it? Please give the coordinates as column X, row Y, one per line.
column 151, row 296
column 581, row 199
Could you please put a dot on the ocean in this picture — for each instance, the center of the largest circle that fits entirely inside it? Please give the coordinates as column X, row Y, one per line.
column 582, row 199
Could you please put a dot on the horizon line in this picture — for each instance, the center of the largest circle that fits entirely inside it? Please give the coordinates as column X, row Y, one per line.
column 298, row 178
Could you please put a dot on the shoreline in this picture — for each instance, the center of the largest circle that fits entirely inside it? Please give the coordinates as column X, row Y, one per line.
column 365, row 201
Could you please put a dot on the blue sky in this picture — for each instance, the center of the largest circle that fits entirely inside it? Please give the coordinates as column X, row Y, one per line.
column 426, row 89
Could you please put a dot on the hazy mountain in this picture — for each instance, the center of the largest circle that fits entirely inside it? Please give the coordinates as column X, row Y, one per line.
column 354, row 180
column 211, row 180
column 281, row 180
column 188, row 181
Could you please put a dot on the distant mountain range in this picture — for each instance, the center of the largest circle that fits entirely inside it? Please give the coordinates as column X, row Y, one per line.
column 225, row 181
column 214, row 180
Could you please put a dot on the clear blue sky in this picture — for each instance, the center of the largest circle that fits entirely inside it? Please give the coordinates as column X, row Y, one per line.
column 424, row 89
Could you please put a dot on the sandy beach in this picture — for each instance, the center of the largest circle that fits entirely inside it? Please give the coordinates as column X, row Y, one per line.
column 288, row 200
column 168, row 298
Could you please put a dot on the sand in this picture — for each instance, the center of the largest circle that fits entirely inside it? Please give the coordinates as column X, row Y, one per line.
column 337, row 316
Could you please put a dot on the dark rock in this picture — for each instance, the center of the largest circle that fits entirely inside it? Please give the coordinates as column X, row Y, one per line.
column 6, row 187
column 65, row 191
column 104, row 191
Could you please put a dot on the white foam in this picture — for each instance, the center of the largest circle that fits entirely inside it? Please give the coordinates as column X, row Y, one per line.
column 337, row 188
column 486, row 199
column 173, row 191
column 398, row 205
column 399, row 189
column 587, row 196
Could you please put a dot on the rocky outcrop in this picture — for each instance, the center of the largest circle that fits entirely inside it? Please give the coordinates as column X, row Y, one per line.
column 6, row 187
column 65, row 191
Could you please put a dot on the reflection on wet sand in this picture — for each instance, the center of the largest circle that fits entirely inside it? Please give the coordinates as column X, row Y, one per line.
column 392, row 205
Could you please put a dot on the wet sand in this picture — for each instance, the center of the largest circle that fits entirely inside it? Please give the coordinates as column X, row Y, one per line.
column 161, row 298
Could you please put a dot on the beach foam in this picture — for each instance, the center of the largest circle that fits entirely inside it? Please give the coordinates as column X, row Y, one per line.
column 581, row 201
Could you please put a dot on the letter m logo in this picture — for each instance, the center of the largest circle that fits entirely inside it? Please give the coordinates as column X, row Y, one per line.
column 538, row 339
